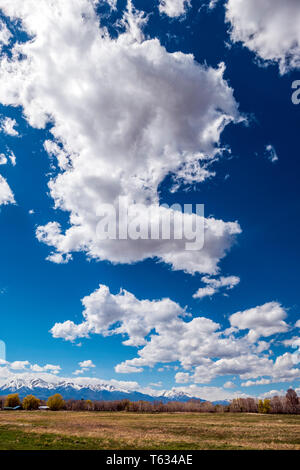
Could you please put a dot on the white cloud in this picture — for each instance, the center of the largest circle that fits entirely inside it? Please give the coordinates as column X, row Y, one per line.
column 53, row 369
column 3, row 159
column 229, row 384
column 250, row 383
column 182, row 377
column 59, row 258
column 70, row 331
column 10, row 157
column 215, row 285
column 269, row 28
column 78, row 372
column 199, row 353
column 86, row 364
column 6, row 194
column 209, row 393
column 84, row 367
column 5, row 35
column 166, row 334
column 293, row 342
column 19, row 365
column 271, row 154
column 123, row 313
column 112, row 4
column 127, row 369
column 50, row 373
column 156, row 384
column 212, row 4
column 131, row 114
column 243, row 365
column 273, row 393
column 246, row 366
column 173, row 8
column 10, row 369
column 8, row 127
column 264, row 320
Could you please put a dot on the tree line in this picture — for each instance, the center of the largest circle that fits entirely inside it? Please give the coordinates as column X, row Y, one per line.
column 288, row 404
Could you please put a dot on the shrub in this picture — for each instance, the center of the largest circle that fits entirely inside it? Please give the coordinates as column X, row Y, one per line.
column 12, row 400
column 89, row 405
column 264, row 406
column 30, row 403
column 56, row 402
column 267, row 405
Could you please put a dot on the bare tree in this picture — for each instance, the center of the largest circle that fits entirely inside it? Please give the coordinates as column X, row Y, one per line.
column 292, row 401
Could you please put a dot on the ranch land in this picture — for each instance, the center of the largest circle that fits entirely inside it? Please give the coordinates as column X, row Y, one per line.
column 37, row 430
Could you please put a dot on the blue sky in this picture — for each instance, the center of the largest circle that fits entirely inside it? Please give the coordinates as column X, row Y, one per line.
column 247, row 188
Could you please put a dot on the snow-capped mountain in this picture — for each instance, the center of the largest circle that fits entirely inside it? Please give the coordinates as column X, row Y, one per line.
column 174, row 395
column 75, row 390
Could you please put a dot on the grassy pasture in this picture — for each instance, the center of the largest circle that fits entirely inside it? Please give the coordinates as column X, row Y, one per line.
column 37, row 430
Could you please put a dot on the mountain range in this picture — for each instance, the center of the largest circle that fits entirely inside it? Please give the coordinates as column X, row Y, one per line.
column 73, row 390
column 99, row 391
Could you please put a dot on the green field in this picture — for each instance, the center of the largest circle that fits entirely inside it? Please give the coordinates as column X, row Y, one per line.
column 167, row 431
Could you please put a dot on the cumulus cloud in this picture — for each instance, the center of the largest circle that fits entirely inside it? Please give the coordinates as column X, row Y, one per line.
column 212, row 4
column 273, row 393
column 127, row 369
column 8, row 127
column 11, row 367
column 209, row 393
column 6, row 194
column 174, row 8
column 246, row 366
column 269, row 28
column 12, row 158
column 84, row 367
column 242, row 365
column 250, row 383
column 264, row 320
column 281, row 370
column 86, row 364
column 107, row 314
column 215, row 285
column 59, row 258
column 166, row 334
column 19, row 365
column 130, row 115
column 5, row 35
column 198, row 351
column 53, row 369
column 293, row 342
column 229, row 384
column 182, row 377
column 3, row 159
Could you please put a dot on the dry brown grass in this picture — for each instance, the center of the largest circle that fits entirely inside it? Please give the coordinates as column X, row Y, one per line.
column 178, row 430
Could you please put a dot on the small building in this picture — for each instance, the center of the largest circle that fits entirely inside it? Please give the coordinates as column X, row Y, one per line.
column 10, row 408
column 44, row 408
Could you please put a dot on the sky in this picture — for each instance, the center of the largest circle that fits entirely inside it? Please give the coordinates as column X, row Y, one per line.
column 171, row 102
